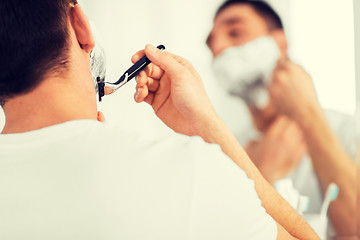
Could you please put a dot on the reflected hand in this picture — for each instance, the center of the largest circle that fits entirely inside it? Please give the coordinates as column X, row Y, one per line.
column 279, row 151
column 175, row 91
column 292, row 91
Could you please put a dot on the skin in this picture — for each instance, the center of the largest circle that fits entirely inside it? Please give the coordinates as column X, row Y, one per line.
column 293, row 102
column 174, row 90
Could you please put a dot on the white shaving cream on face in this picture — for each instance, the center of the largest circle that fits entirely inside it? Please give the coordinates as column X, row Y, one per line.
column 97, row 59
column 98, row 64
column 245, row 71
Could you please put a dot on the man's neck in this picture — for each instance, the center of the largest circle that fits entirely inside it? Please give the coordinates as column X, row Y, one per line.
column 49, row 104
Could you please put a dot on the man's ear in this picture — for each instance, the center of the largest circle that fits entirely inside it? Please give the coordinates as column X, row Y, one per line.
column 280, row 38
column 81, row 26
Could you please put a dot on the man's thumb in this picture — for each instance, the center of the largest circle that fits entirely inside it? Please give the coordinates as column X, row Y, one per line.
column 162, row 59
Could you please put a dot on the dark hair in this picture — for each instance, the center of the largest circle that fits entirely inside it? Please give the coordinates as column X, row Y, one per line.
column 262, row 8
column 34, row 40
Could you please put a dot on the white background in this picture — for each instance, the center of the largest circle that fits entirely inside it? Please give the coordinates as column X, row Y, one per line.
column 320, row 34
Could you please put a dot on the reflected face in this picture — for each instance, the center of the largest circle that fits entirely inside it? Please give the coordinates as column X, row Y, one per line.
column 234, row 26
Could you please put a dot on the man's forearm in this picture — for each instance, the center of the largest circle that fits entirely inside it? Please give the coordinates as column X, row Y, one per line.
column 217, row 132
column 332, row 164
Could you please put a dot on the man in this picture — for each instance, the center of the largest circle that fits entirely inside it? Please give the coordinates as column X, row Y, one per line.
column 66, row 175
column 290, row 117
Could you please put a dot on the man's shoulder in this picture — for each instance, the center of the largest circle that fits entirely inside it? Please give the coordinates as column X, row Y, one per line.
column 110, row 132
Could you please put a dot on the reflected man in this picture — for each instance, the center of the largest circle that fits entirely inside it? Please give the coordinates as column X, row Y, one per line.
column 251, row 61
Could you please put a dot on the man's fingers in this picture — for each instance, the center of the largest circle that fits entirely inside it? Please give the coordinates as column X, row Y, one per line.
column 169, row 62
column 165, row 60
column 108, row 91
column 162, row 61
column 279, row 126
column 141, row 94
column 283, row 63
column 280, row 77
column 136, row 57
column 151, row 70
column 154, row 71
column 186, row 64
column 153, row 85
column 150, row 99
column 143, row 80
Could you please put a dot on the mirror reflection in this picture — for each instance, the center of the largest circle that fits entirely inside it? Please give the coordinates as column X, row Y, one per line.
column 301, row 143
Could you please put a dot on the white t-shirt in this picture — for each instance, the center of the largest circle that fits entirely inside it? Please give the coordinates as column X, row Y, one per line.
column 86, row 180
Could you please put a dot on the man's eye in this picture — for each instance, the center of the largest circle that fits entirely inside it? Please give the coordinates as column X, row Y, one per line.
column 234, row 33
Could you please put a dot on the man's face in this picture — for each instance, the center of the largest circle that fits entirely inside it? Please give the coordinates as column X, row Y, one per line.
column 236, row 25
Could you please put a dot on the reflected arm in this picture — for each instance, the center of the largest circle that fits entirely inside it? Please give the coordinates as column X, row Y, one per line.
column 332, row 164
column 294, row 95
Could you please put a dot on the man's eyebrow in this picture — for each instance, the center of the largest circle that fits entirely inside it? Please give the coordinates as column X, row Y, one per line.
column 232, row 21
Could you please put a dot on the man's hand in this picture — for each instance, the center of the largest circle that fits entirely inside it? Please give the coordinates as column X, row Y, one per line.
column 292, row 92
column 175, row 91
column 279, row 151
